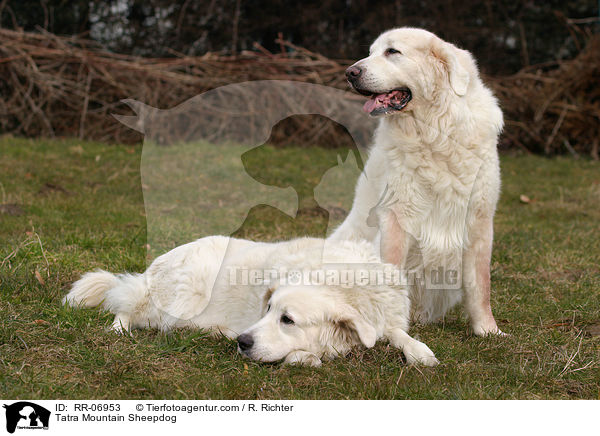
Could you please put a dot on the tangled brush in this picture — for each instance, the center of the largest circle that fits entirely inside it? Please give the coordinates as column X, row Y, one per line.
column 61, row 86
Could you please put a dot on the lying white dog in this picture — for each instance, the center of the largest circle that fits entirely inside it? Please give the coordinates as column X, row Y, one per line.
column 433, row 176
column 244, row 289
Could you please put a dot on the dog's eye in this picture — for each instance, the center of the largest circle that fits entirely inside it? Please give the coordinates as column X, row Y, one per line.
column 391, row 51
column 268, row 307
column 286, row 319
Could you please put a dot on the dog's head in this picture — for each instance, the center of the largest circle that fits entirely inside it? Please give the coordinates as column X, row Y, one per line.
column 316, row 319
column 409, row 67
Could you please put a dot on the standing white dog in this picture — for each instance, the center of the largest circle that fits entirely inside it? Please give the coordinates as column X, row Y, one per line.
column 430, row 186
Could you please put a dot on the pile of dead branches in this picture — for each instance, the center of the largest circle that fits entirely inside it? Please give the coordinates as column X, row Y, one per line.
column 554, row 108
column 58, row 86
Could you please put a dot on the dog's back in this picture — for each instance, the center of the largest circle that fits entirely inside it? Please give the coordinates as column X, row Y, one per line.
column 175, row 287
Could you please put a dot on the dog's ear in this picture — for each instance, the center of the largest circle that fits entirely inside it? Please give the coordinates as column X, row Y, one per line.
column 266, row 298
column 354, row 321
column 457, row 73
column 366, row 332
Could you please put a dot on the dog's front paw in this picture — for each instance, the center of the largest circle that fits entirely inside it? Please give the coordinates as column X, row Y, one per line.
column 485, row 330
column 302, row 358
column 419, row 353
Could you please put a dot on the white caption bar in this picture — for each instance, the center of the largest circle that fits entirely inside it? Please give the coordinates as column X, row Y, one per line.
column 154, row 417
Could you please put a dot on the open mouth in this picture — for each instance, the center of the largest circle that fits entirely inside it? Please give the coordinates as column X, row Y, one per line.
column 388, row 102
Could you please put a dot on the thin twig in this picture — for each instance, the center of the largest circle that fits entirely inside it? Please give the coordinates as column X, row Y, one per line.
column 43, row 253
column 86, row 101
column 559, row 122
column 572, row 357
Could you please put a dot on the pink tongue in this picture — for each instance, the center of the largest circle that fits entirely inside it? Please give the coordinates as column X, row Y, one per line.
column 370, row 105
column 379, row 100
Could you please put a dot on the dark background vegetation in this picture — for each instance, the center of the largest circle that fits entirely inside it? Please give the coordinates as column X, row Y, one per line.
column 504, row 35
column 65, row 66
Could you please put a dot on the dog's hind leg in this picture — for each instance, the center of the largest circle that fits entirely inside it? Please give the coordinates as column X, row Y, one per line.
column 121, row 324
column 413, row 350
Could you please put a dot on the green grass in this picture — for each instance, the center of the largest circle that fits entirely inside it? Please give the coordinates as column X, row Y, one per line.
column 82, row 208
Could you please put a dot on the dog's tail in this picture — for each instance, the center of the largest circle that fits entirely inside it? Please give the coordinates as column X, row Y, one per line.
column 118, row 293
column 90, row 290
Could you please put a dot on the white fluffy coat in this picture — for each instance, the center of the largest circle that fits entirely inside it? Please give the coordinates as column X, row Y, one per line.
column 437, row 163
column 192, row 286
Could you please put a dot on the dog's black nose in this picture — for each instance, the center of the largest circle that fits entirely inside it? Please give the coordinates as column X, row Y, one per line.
column 245, row 341
column 353, row 73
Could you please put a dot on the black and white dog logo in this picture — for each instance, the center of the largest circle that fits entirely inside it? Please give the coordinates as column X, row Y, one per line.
column 26, row 415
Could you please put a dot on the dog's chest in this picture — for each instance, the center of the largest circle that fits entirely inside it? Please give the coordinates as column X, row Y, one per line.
column 431, row 200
